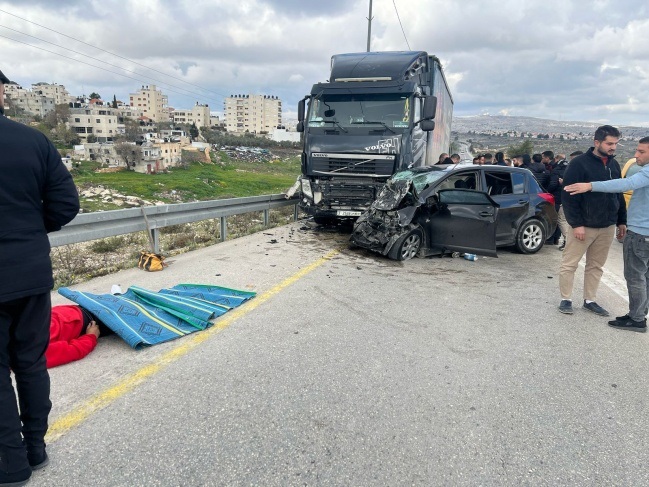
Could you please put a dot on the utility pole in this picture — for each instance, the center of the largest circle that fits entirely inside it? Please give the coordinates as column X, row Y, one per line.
column 369, row 27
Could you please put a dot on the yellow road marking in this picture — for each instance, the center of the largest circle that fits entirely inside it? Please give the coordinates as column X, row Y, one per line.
column 84, row 410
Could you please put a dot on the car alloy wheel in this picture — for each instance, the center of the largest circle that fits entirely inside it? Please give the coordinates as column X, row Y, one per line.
column 407, row 246
column 530, row 237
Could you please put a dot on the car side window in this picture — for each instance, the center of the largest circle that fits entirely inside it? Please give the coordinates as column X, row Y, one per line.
column 465, row 180
column 518, row 181
column 498, row 183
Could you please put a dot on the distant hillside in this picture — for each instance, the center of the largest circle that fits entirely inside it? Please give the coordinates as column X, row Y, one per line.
column 500, row 123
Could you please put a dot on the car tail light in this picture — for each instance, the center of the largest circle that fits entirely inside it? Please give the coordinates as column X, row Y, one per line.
column 547, row 197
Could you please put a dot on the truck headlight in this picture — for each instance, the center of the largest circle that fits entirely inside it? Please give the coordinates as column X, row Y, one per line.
column 306, row 188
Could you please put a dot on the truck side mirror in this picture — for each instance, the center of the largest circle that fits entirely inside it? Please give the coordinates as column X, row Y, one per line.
column 299, row 127
column 427, row 125
column 300, row 111
column 430, row 108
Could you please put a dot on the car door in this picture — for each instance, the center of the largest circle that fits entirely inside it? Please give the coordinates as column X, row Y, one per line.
column 463, row 221
column 508, row 190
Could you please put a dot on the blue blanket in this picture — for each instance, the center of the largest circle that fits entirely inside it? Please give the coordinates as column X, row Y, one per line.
column 142, row 317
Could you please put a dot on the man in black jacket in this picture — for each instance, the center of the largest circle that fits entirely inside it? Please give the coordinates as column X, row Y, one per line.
column 592, row 218
column 37, row 196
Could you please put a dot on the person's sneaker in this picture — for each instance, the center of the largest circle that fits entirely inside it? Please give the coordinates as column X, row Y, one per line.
column 629, row 324
column 566, row 306
column 595, row 308
column 562, row 245
column 15, row 479
column 38, row 460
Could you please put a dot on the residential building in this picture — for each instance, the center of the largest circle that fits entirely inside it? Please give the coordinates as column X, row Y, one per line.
column 100, row 121
column 152, row 102
column 257, row 114
column 55, row 91
column 28, row 100
column 199, row 114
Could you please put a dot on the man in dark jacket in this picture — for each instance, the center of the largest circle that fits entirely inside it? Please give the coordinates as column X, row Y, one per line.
column 541, row 174
column 592, row 218
column 37, row 196
column 559, row 166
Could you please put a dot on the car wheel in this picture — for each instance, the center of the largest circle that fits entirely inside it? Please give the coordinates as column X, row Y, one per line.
column 530, row 236
column 407, row 246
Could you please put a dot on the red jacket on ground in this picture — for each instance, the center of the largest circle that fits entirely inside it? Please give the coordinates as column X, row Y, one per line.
column 66, row 342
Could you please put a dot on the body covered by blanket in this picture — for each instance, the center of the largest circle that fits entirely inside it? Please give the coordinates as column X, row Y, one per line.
column 142, row 317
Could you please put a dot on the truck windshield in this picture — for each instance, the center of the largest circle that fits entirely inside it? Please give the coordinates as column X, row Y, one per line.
column 390, row 111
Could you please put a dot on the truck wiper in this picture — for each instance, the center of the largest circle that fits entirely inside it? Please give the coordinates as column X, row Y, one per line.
column 367, row 122
column 335, row 123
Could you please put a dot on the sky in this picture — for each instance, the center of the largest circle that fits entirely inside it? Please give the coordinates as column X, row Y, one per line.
column 582, row 60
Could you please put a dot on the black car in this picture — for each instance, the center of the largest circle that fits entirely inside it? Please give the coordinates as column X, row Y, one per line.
column 431, row 210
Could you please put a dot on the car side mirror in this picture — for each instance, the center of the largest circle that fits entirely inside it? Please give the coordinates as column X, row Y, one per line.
column 430, row 107
column 427, row 125
column 300, row 127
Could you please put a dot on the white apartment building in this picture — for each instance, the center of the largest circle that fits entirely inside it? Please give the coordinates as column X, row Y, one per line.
column 258, row 114
column 152, row 102
column 30, row 101
column 199, row 114
column 100, row 121
column 55, row 91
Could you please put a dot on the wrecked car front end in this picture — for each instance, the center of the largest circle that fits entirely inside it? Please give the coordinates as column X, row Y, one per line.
column 388, row 218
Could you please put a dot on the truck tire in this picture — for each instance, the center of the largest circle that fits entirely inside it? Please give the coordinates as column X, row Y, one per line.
column 407, row 246
column 530, row 237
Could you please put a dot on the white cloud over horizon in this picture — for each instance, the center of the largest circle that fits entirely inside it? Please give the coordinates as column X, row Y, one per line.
column 557, row 59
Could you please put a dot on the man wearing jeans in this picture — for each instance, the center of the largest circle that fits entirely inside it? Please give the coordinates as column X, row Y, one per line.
column 636, row 242
column 37, row 196
column 592, row 218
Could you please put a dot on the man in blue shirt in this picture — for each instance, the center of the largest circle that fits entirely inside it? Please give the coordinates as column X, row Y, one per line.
column 636, row 242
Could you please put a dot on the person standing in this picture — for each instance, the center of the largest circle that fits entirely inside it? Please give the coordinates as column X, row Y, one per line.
column 636, row 241
column 592, row 218
column 37, row 196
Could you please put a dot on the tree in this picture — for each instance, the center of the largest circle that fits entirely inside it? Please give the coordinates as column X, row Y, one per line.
column 525, row 147
column 95, row 95
column 131, row 132
column 130, row 153
column 114, row 101
column 193, row 131
column 59, row 115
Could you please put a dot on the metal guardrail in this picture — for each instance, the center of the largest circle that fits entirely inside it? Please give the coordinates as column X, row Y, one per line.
column 102, row 224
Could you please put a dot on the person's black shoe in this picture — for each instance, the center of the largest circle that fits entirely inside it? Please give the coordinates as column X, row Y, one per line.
column 566, row 306
column 626, row 317
column 562, row 246
column 15, row 479
column 629, row 324
column 38, row 460
column 595, row 308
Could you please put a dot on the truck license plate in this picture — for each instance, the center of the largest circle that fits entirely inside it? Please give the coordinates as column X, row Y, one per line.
column 348, row 213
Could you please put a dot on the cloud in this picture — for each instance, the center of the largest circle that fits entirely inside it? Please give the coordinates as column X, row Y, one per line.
column 546, row 58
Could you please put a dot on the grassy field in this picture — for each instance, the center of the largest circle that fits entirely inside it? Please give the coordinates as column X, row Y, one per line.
column 226, row 178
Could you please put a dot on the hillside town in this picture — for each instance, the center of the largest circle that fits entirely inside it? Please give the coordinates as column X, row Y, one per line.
column 144, row 133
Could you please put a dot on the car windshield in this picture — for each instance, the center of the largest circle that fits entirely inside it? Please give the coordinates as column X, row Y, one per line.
column 391, row 111
column 420, row 180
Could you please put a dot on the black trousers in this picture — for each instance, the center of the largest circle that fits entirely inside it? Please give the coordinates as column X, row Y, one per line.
column 24, row 336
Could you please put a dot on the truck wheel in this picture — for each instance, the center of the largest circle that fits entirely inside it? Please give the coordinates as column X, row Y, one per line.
column 530, row 236
column 407, row 246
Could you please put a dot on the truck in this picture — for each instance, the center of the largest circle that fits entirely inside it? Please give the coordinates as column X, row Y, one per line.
column 379, row 113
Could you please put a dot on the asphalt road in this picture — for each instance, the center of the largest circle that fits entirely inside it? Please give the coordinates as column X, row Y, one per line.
column 350, row 369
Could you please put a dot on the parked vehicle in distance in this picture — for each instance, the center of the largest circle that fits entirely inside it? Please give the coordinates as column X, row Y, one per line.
column 432, row 210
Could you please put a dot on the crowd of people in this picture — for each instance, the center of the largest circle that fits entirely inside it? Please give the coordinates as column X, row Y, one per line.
column 591, row 194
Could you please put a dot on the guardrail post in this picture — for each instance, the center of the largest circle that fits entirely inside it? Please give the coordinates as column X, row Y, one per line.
column 155, row 238
column 224, row 228
column 266, row 218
